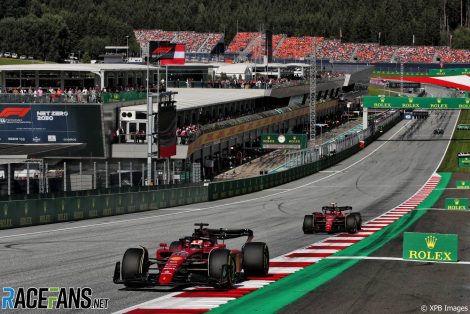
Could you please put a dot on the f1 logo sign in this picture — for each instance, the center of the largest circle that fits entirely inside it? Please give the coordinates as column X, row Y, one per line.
column 20, row 112
column 162, row 50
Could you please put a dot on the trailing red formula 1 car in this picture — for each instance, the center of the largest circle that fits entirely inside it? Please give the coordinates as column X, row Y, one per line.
column 197, row 259
column 333, row 219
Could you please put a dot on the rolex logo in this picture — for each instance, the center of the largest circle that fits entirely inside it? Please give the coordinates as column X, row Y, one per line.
column 410, row 100
column 431, row 241
column 467, row 101
column 456, row 201
column 439, row 100
column 382, row 99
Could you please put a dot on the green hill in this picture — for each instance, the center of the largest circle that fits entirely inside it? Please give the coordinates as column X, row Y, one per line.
column 51, row 29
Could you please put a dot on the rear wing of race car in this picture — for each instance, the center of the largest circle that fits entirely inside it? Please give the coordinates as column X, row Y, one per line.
column 336, row 208
column 223, row 234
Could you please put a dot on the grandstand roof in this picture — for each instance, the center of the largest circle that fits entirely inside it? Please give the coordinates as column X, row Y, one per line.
column 200, row 97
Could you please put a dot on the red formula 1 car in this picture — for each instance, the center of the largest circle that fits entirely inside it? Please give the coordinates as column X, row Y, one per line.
column 197, row 259
column 333, row 219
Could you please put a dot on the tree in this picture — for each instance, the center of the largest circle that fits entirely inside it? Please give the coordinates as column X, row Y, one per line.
column 461, row 38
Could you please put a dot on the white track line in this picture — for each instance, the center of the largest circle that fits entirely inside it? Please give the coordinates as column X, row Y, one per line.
column 381, row 258
column 150, row 217
column 207, row 303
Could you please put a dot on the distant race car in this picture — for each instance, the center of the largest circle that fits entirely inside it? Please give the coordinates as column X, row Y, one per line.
column 197, row 259
column 438, row 131
column 333, row 219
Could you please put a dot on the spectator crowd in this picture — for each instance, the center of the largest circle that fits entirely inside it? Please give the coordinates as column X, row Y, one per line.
column 195, row 42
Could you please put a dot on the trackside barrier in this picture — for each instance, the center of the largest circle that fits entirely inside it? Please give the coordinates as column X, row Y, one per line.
column 36, row 210
column 220, row 190
column 22, row 213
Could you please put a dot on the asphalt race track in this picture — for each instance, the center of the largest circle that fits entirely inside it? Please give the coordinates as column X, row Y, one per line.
column 387, row 286
column 83, row 254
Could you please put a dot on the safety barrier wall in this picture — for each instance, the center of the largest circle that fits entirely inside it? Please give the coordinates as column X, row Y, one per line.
column 21, row 213
column 73, row 206
column 226, row 189
column 219, row 190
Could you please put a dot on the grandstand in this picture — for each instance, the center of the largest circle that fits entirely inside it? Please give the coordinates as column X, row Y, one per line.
column 250, row 46
column 204, row 43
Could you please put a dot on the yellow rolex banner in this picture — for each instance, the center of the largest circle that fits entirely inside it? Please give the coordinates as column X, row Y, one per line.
column 463, row 184
column 430, row 247
column 457, row 203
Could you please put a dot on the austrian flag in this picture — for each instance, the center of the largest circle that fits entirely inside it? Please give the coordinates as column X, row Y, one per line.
column 167, row 53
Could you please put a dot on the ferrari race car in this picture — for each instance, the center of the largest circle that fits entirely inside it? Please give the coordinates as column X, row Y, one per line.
column 198, row 259
column 333, row 219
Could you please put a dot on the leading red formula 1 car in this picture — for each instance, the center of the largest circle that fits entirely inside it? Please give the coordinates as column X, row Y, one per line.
column 333, row 219
column 197, row 259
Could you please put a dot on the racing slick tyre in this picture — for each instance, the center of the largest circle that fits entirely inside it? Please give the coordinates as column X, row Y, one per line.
column 351, row 224
column 174, row 245
column 255, row 259
column 358, row 220
column 309, row 225
column 221, row 268
column 135, row 265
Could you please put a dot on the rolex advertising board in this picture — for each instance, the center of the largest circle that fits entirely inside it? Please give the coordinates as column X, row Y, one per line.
column 283, row 141
column 462, row 184
column 54, row 124
column 457, row 203
column 430, row 247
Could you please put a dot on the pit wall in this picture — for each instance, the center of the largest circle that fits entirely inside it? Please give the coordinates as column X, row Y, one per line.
column 44, row 209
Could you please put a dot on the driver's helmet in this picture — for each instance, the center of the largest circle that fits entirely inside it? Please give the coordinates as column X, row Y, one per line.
column 196, row 243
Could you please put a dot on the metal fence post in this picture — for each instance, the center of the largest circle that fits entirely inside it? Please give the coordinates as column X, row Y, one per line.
column 106, row 182
column 65, row 176
column 143, row 174
column 9, row 179
column 155, row 174
column 46, row 170
column 94, row 175
column 119, row 174
column 80, row 171
column 173, row 174
column 27, row 178
column 130, row 173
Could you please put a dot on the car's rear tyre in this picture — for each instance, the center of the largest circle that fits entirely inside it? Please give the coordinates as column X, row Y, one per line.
column 255, row 259
column 351, row 224
column 221, row 268
column 135, row 266
column 309, row 224
column 358, row 220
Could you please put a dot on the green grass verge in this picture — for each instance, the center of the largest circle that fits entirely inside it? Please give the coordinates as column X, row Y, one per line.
column 460, row 143
column 8, row 61
column 375, row 90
